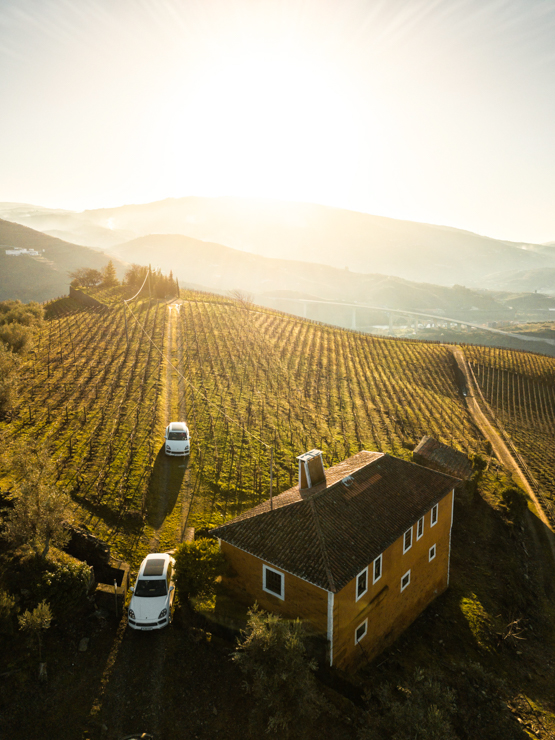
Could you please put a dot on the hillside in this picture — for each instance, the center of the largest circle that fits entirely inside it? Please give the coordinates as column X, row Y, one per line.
column 222, row 268
column 250, row 378
column 291, row 231
column 42, row 278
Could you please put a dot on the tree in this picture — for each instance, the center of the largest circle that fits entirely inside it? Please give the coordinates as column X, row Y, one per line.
column 35, row 622
column 279, row 674
column 109, row 277
column 135, row 275
column 41, row 508
column 9, row 378
column 86, row 276
column 197, row 565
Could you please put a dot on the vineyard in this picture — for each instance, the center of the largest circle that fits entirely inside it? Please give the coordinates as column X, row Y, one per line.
column 518, row 390
column 99, row 392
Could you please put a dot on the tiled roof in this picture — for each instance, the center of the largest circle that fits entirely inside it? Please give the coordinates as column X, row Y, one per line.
column 329, row 533
column 431, row 452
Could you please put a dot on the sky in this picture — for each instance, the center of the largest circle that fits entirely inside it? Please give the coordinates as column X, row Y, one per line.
column 438, row 111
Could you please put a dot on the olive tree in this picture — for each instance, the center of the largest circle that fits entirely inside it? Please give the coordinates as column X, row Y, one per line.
column 41, row 508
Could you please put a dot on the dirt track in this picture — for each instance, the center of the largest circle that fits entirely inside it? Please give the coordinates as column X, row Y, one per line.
column 498, row 445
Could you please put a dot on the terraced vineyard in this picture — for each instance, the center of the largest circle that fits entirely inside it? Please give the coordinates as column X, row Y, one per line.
column 247, row 380
column 519, row 388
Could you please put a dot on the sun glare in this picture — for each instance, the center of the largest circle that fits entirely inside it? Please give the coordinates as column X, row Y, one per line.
column 266, row 124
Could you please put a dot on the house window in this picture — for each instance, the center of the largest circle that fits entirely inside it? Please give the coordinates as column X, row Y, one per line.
column 362, row 583
column 432, row 553
column 377, row 569
column 272, row 581
column 407, row 540
column 433, row 516
column 405, row 580
column 361, row 631
column 420, row 528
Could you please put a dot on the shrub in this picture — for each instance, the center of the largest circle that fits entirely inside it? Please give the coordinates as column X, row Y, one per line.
column 423, row 708
column 60, row 580
column 515, row 501
column 64, row 585
column 8, row 612
column 197, row 565
column 35, row 622
column 278, row 673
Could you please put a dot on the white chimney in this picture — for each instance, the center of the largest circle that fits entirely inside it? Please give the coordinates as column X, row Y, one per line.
column 311, row 469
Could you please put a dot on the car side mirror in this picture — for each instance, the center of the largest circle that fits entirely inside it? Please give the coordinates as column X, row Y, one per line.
column 172, row 588
column 132, row 589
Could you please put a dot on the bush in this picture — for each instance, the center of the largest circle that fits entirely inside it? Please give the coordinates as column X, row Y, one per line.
column 278, row 673
column 60, row 580
column 197, row 565
column 64, row 585
column 424, row 708
column 8, row 612
column 516, row 502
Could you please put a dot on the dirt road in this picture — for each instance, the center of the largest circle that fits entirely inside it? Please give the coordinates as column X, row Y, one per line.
column 498, row 444
column 131, row 696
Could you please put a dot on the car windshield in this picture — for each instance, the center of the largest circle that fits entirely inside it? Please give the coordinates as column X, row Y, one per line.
column 146, row 587
column 177, row 436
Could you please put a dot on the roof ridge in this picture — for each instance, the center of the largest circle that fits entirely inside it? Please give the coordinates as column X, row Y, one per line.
column 322, row 546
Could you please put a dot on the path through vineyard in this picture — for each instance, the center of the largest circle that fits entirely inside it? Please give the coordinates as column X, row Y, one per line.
column 498, row 444
column 132, row 698
column 170, row 485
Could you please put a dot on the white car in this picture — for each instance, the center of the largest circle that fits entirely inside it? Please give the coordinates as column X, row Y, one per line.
column 178, row 441
column 151, row 603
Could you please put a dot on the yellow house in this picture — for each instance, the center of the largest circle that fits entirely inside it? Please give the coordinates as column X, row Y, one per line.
column 356, row 551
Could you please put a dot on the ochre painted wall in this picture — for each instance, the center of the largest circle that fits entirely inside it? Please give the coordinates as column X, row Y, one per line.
column 302, row 599
column 388, row 610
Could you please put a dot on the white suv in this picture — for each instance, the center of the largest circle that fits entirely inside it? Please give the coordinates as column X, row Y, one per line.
column 151, row 603
column 177, row 439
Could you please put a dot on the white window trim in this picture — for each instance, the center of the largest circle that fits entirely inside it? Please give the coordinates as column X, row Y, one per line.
column 430, row 556
column 432, row 523
column 267, row 590
column 374, row 579
column 359, row 596
column 365, row 625
column 418, row 536
column 407, row 583
column 406, row 549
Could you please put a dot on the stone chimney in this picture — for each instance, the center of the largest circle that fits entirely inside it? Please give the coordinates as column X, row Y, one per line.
column 311, row 469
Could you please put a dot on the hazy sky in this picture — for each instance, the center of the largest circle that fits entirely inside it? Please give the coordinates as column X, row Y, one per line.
column 440, row 111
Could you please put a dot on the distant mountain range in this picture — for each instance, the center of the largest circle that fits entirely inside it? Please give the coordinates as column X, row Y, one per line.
column 221, row 268
column 295, row 231
column 42, row 277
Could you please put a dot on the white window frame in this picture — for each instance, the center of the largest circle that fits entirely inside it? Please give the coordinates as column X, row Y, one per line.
column 407, row 583
column 266, row 568
column 359, row 596
column 406, row 549
column 430, row 555
column 378, row 559
column 365, row 625
column 418, row 523
column 433, row 521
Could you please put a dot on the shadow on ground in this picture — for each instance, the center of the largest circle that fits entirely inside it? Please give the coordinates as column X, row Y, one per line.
column 165, row 483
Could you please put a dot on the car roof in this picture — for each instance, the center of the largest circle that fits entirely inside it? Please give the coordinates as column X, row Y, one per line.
column 178, row 426
column 154, row 565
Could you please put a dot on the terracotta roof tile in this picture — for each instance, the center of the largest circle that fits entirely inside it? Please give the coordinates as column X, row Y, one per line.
column 329, row 533
column 441, row 457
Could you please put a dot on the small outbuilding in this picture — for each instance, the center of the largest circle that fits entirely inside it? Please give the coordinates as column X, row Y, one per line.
column 438, row 456
column 356, row 551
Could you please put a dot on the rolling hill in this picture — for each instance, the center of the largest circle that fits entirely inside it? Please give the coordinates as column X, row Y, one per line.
column 31, row 278
column 297, row 231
